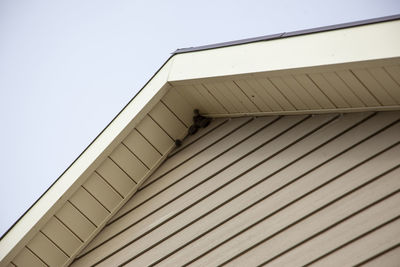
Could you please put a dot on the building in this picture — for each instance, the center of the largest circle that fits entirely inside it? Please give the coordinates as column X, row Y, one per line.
column 299, row 166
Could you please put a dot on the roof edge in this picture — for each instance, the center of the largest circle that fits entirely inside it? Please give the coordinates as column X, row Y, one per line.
column 288, row 34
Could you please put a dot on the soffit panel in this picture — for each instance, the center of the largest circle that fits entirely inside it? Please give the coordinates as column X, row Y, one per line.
column 361, row 86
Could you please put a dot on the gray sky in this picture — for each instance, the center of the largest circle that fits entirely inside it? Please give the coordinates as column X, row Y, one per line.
column 68, row 67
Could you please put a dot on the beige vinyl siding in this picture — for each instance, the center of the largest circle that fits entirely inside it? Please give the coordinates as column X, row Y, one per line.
column 388, row 258
column 268, row 190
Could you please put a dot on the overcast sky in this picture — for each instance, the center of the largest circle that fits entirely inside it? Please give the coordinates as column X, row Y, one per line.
column 68, row 67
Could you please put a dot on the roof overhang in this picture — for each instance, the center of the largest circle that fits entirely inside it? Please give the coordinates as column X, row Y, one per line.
column 343, row 70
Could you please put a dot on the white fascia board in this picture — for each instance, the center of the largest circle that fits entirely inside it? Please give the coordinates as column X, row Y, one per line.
column 362, row 43
column 86, row 163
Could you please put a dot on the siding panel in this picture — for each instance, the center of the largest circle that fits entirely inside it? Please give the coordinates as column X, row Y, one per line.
column 345, row 91
column 241, row 95
column 47, row 251
column 320, row 97
column 102, row 191
column 27, row 259
column 373, row 86
column 62, row 236
column 336, row 235
column 292, row 96
column 219, row 97
column 196, row 100
column 155, row 135
column 75, row 221
column 211, row 100
column 89, row 206
column 329, row 239
column 272, row 94
column 383, row 237
column 389, row 258
column 179, row 106
column 168, row 121
column 350, row 79
column 257, row 95
column 269, row 191
column 384, row 79
column 328, row 90
column 116, row 177
column 129, row 163
column 142, row 148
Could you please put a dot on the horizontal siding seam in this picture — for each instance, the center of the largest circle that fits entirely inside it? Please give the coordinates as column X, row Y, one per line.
column 302, row 175
column 334, row 224
column 377, row 255
column 265, row 178
column 354, row 239
column 314, row 190
column 297, row 140
column 224, row 136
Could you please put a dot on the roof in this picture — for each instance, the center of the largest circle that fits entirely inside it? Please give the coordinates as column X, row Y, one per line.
column 341, row 70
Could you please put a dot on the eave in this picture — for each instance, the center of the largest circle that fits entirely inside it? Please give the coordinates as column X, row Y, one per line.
column 343, row 70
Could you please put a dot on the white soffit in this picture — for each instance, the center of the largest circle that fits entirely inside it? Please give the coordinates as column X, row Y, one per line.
column 351, row 69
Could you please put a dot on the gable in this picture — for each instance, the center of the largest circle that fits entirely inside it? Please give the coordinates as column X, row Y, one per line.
column 282, row 190
column 346, row 70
